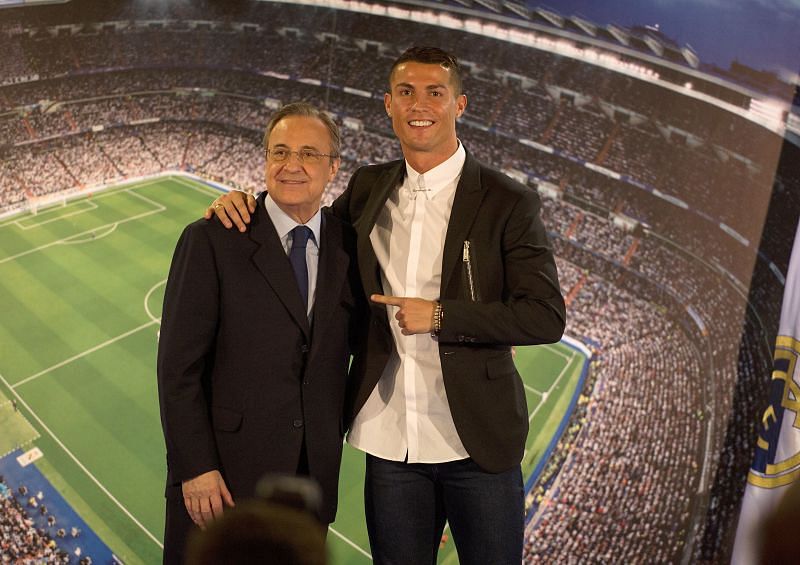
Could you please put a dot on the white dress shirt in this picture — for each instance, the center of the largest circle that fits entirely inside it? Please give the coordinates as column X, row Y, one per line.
column 284, row 225
column 407, row 412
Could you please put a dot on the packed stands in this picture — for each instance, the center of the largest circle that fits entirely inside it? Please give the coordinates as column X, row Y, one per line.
column 637, row 181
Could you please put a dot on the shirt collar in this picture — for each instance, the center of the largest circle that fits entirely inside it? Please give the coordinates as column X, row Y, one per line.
column 284, row 223
column 442, row 174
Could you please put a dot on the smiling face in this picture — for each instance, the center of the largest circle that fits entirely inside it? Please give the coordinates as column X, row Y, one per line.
column 424, row 105
column 295, row 186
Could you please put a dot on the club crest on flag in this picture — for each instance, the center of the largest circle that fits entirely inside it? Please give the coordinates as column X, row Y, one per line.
column 774, row 465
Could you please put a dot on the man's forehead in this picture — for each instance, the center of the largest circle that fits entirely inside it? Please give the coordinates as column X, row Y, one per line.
column 430, row 73
column 307, row 130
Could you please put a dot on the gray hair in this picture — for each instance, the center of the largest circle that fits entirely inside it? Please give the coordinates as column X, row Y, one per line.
column 309, row 111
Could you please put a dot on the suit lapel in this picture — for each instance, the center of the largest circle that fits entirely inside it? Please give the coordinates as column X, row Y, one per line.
column 467, row 201
column 331, row 274
column 271, row 260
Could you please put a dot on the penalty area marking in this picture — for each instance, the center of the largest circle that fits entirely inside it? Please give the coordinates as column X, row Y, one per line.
column 61, row 241
column 38, row 224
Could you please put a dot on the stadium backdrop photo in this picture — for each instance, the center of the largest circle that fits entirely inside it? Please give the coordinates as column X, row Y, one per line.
column 667, row 156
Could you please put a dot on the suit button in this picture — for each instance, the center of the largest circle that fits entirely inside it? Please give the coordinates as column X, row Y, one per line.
column 304, row 348
column 298, row 423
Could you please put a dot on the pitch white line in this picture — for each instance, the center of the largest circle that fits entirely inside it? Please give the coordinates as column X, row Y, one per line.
column 552, row 386
column 66, row 239
column 92, row 206
column 160, row 208
column 352, row 544
column 147, row 298
column 569, row 357
column 133, row 192
column 82, row 466
column 198, row 186
column 83, row 354
column 533, row 390
column 72, row 240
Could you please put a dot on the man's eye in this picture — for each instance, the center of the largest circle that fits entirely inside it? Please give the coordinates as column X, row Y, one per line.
column 309, row 154
column 279, row 154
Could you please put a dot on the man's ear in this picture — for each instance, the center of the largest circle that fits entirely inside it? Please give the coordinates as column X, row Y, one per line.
column 387, row 103
column 334, row 168
column 461, row 104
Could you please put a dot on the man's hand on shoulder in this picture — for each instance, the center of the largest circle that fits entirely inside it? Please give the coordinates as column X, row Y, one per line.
column 205, row 496
column 232, row 208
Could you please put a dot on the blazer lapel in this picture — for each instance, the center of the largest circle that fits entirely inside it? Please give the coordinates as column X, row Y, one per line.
column 271, row 260
column 467, row 201
column 379, row 192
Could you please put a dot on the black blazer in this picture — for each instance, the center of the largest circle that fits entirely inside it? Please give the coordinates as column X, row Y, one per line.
column 242, row 376
column 513, row 299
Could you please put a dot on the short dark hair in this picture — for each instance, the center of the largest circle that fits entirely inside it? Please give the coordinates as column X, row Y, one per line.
column 431, row 56
column 309, row 111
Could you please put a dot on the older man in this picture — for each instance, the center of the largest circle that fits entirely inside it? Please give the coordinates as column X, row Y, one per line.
column 255, row 338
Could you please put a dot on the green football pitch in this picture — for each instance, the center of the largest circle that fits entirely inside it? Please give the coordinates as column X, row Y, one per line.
column 82, row 284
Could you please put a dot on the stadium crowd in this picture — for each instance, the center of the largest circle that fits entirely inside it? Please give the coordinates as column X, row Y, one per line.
column 674, row 381
column 21, row 542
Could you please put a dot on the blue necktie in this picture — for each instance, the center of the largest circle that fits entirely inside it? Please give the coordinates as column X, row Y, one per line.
column 297, row 257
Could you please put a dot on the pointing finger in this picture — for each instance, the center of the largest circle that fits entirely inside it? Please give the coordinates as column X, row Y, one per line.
column 390, row 300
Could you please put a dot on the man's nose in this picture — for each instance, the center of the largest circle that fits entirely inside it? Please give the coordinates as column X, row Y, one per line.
column 294, row 162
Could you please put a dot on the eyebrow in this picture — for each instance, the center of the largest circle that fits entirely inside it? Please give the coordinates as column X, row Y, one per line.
column 411, row 86
column 284, row 146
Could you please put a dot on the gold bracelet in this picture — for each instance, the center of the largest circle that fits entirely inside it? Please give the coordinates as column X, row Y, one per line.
column 438, row 315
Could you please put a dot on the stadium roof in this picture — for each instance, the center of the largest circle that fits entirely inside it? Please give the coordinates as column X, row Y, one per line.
column 22, row 3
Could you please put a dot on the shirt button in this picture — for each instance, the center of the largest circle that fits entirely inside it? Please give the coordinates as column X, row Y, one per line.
column 298, row 423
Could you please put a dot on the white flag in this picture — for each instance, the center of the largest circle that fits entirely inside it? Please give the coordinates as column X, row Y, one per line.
column 777, row 460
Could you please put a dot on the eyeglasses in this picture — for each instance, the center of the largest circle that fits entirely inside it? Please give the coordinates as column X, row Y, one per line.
column 281, row 155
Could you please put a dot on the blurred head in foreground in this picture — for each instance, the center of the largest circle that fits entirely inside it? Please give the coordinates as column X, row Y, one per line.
column 279, row 527
column 260, row 532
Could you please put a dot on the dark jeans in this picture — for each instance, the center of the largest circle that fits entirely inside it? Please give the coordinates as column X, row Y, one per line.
column 407, row 505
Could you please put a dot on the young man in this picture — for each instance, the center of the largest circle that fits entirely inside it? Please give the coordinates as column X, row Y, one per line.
column 456, row 261
column 255, row 338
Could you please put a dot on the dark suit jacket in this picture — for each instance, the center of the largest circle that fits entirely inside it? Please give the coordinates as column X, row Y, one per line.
column 242, row 377
column 515, row 300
